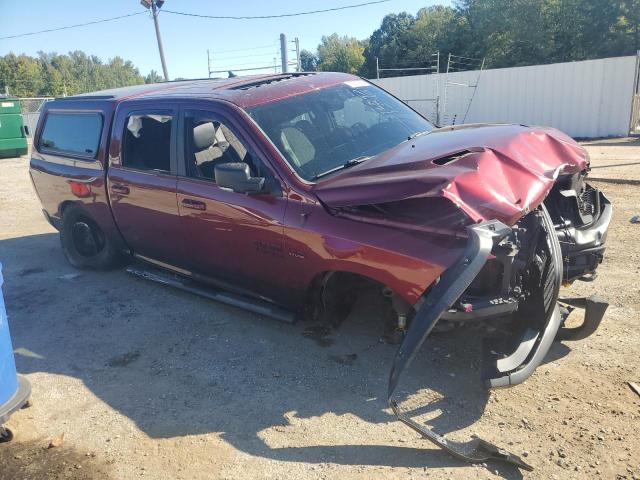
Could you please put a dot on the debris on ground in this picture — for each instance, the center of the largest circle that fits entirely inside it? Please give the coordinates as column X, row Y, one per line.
column 69, row 276
column 56, row 441
column 345, row 359
column 124, row 359
column 635, row 387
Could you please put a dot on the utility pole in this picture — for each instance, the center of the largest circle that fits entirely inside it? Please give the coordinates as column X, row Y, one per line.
column 284, row 54
column 377, row 69
column 154, row 6
column 298, row 66
column 208, row 63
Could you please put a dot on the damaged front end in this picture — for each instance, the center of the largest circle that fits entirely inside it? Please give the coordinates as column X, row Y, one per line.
column 509, row 279
column 532, row 223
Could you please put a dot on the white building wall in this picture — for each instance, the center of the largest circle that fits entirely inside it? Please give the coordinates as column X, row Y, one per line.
column 592, row 98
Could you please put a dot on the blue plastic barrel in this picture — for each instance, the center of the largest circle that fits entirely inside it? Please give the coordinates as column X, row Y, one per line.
column 14, row 388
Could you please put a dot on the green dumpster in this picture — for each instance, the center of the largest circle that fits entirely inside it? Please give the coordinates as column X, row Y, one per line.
column 13, row 133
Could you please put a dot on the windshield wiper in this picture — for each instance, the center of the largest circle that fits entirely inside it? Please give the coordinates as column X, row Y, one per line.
column 351, row 163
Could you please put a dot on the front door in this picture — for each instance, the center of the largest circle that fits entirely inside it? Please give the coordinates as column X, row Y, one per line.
column 232, row 237
column 142, row 180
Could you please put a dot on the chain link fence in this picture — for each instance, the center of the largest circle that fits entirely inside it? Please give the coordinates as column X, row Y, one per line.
column 31, row 108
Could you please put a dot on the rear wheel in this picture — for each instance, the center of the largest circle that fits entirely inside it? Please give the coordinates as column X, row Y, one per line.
column 84, row 243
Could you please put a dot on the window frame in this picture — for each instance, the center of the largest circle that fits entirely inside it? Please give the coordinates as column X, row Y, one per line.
column 67, row 153
column 185, row 169
column 175, row 116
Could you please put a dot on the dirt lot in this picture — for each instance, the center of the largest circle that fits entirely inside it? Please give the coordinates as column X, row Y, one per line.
column 145, row 381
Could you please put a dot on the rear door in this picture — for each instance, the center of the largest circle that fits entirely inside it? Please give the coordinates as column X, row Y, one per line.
column 142, row 180
column 229, row 236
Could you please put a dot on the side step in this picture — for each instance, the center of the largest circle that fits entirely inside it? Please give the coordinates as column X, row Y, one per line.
column 255, row 305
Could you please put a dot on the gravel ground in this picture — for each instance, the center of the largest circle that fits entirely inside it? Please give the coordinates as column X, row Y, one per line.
column 145, row 381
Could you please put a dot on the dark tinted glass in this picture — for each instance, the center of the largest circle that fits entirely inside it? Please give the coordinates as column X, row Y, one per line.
column 74, row 133
column 327, row 129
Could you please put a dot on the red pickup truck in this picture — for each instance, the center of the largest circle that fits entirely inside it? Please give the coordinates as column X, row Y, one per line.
column 288, row 194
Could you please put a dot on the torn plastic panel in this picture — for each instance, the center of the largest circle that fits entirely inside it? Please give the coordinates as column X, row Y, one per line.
column 540, row 316
column 454, row 281
column 594, row 308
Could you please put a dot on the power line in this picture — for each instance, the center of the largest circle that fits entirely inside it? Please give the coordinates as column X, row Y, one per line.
column 273, row 45
column 72, row 26
column 231, row 65
column 232, row 57
column 281, row 15
column 221, row 17
column 242, row 69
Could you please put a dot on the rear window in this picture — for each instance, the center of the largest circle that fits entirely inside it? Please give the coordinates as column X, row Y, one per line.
column 72, row 133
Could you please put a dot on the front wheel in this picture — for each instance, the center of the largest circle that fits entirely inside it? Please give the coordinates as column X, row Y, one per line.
column 84, row 243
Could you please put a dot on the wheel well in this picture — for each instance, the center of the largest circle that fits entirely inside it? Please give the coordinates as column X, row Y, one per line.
column 64, row 206
column 332, row 295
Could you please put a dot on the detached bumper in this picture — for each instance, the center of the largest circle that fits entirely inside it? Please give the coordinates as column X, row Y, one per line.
column 525, row 350
column 452, row 284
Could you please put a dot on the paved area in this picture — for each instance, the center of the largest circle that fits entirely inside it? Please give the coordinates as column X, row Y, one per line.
column 145, row 381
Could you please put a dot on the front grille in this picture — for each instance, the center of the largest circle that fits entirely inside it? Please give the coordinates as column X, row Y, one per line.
column 587, row 202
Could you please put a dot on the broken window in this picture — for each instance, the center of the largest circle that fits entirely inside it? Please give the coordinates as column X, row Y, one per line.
column 147, row 142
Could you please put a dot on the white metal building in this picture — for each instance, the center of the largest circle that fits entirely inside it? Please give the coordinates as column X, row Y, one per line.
column 591, row 98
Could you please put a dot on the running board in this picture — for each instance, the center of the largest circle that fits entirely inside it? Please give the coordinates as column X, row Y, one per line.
column 254, row 305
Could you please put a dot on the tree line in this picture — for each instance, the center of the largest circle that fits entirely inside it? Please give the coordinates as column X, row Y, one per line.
column 51, row 74
column 506, row 33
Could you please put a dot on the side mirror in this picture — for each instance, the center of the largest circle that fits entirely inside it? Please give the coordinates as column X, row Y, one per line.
column 236, row 176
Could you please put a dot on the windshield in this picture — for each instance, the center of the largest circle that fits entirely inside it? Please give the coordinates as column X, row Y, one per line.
column 333, row 128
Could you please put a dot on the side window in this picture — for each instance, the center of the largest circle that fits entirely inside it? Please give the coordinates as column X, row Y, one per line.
column 210, row 142
column 72, row 133
column 147, row 141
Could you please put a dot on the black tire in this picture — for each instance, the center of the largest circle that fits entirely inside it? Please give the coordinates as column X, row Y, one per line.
column 84, row 244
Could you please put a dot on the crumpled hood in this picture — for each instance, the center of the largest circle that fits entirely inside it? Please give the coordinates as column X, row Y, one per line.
column 503, row 171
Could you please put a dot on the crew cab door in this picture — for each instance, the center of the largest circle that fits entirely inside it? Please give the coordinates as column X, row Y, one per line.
column 142, row 178
column 230, row 237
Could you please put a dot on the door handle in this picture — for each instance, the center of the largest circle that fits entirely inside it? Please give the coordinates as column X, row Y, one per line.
column 121, row 189
column 195, row 204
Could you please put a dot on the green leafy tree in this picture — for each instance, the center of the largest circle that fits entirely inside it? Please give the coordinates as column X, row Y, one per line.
column 308, row 61
column 153, row 77
column 51, row 74
column 434, row 30
column 340, row 54
column 388, row 43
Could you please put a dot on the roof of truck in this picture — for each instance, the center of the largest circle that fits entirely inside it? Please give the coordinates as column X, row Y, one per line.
column 244, row 91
